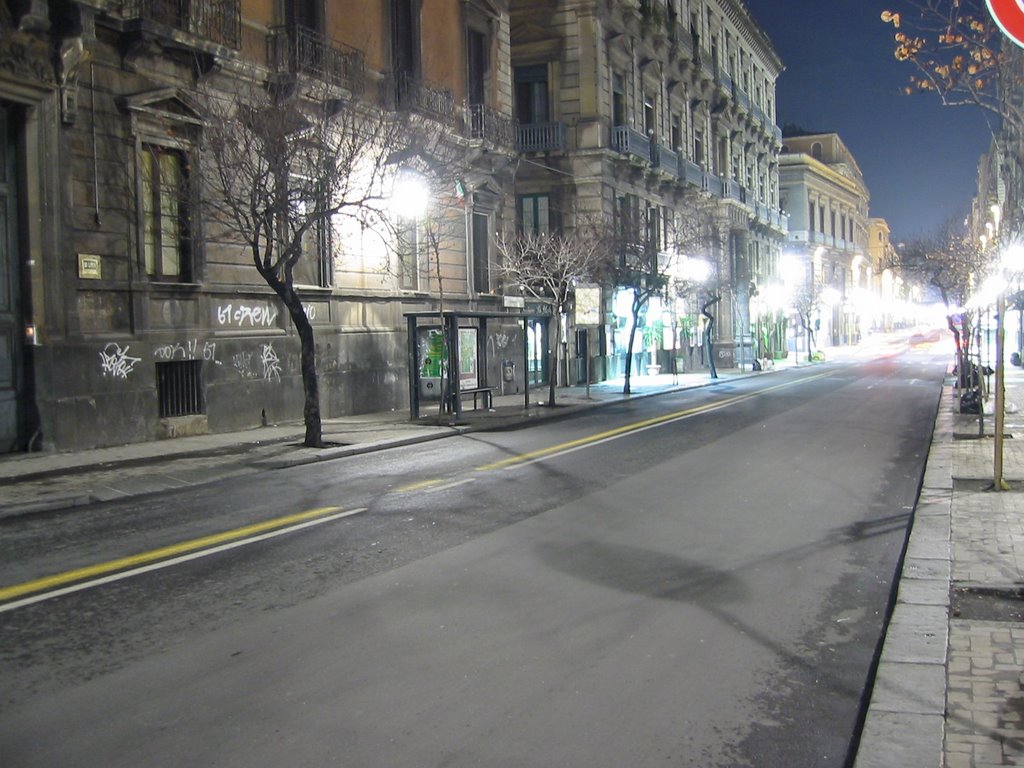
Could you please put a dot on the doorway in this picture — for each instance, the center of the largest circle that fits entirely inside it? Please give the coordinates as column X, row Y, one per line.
column 537, row 351
column 12, row 375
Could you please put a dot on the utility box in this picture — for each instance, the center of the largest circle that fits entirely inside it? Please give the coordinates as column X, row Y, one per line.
column 430, row 387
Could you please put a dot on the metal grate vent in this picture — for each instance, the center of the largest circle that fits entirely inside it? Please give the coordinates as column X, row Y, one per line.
column 179, row 388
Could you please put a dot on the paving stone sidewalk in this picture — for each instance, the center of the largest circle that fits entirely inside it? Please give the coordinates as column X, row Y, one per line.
column 949, row 690
column 985, row 696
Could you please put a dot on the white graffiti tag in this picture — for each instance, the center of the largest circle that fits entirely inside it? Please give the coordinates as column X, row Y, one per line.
column 270, row 362
column 116, row 362
column 188, row 351
column 246, row 315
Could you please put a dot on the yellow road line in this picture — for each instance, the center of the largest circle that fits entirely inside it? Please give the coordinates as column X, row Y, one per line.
column 570, row 445
column 143, row 558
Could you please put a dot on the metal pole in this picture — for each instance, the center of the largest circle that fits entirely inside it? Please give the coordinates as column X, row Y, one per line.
column 998, row 484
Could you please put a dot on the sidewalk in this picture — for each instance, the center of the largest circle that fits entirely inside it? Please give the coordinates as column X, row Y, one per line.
column 949, row 689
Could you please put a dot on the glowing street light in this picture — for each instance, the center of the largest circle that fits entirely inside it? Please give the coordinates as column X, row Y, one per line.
column 410, row 194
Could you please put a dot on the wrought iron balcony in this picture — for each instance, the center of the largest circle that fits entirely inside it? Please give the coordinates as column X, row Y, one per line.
column 405, row 91
column 541, row 137
column 490, row 125
column 215, row 21
column 304, row 51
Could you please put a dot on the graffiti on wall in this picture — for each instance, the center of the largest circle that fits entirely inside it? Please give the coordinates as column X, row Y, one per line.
column 247, row 315
column 270, row 363
column 116, row 362
column 190, row 350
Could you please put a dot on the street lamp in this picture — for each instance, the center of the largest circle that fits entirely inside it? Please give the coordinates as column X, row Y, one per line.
column 410, row 194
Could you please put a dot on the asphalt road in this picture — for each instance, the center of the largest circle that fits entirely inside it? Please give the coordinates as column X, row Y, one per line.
column 695, row 579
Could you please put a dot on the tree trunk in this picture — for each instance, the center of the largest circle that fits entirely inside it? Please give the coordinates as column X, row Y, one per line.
column 961, row 358
column 709, row 335
column 637, row 306
column 307, row 363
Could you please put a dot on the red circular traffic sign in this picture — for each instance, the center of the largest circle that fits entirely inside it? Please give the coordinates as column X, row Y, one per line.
column 1009, row 15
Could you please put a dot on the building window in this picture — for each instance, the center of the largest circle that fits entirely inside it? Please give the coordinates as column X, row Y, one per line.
column 478, row 65
column 810, row 216
column 650, row 116
column 481, row 235
column 405, row 40
column 816, row 150
column 534, row 215
column 408, row 248
column 532, row 94
column 312, row 266
column 677, row 133
column 165, row 211
column 179, row 388
column 618, row 99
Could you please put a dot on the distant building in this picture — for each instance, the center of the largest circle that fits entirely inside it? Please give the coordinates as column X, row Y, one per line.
column 659, row 117
column 888, row 290
column 825, row 196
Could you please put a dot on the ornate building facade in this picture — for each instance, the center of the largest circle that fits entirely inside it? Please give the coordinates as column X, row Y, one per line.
column 126, row 315
column 824, row 193
column 657, row 117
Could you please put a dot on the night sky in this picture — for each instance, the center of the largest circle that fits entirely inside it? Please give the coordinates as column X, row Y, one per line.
column 919, row 158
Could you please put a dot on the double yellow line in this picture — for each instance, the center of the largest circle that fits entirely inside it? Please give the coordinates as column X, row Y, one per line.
column 638, row 426
column 174, row 553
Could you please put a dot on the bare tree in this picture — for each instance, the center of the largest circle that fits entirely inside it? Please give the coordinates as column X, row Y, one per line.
column 952, row 263
column 807, row 302
column 282, row 168
column 960, row 54
column 696, row 238
column 638, row 266
column 548, row 267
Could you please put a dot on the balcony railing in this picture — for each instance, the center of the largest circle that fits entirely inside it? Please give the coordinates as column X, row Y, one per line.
column 490, row 125
column 631, row 142
column 706, row 63
column 665, row 159
column 714, row 184
column 215, row 21
column 408, row 92
column 742, row 98
column 305, row 51
column 723, row 78
column 541, row 137
column 735, row 191
column 693, row 174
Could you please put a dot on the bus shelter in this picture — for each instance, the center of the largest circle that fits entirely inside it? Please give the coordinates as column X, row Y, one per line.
column 457, row 355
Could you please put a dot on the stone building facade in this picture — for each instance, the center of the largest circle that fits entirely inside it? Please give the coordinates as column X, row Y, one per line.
column 826, row 198
column 125, row 315
column 656, row 115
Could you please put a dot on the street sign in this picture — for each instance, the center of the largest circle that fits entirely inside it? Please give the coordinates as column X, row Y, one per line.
column 588, row 305
column 1009, row 15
